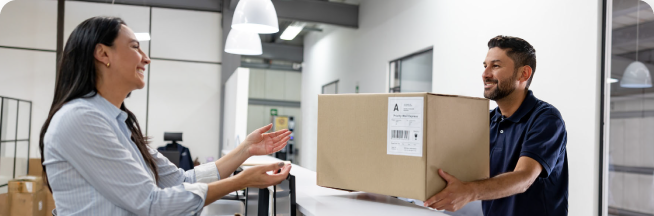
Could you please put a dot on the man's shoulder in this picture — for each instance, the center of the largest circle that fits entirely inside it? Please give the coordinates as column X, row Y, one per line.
column 546, row 110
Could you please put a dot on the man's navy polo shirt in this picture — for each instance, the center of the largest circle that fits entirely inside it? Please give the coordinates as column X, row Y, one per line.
column 536, row 130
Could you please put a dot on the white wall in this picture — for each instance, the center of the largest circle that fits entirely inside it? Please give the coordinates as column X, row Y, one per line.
column 27, row 74
column 566, row 35
column 186, row 35
column 236, row 108
column 29, row 24
column 137, row 18
column 631, row 145
column 184, row 95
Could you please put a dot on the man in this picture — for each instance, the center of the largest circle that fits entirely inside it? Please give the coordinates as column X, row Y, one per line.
column 528, row 159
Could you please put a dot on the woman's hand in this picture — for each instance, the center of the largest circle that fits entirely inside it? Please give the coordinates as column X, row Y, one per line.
column 261, row 143
column 257, row 176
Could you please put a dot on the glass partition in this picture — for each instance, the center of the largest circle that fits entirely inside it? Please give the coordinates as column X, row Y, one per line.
column 15, row 124
column 630, row 143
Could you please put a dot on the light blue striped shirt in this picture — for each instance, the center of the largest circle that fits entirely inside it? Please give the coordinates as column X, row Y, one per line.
column 94, row 168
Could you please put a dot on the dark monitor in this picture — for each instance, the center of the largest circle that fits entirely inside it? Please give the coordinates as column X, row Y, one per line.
column 170, row 136
column 173, row 156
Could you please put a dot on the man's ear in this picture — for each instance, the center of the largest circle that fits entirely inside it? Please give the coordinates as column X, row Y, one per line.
column 100, row 53
column 525, row 72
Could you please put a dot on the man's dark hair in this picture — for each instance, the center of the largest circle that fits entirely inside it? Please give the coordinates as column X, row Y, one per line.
column 519, row 50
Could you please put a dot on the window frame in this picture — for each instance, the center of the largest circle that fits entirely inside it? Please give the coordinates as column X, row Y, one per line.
column 335, row 82
column 395, row 65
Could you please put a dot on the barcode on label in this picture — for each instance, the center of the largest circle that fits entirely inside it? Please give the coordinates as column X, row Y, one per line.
column 400, row 134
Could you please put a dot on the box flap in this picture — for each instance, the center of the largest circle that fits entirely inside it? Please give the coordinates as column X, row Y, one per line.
column 25, row 184
column 459, row 96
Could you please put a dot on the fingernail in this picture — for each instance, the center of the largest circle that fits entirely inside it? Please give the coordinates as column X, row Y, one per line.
column 280, row 164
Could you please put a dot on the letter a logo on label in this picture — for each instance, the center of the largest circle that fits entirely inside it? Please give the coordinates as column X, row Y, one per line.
column 396, row 108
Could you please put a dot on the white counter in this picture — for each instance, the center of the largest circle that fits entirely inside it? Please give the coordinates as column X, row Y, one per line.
column 314, row 200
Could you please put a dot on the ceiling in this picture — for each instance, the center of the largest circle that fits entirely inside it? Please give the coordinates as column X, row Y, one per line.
column 309, row 27
column 298, row 40
column 312, row 12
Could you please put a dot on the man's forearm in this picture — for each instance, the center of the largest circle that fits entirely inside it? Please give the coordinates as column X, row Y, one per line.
column 503, row 185
column 228, row 163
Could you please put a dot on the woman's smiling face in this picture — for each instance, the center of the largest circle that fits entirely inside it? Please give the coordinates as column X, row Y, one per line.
column 127, row 59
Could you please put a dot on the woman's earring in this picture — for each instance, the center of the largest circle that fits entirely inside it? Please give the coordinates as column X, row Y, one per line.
column 107, row 64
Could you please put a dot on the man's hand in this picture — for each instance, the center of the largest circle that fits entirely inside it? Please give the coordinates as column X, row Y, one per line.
column 455, row 195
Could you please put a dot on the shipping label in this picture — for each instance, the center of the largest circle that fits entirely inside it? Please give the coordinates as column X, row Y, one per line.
column 405, row 126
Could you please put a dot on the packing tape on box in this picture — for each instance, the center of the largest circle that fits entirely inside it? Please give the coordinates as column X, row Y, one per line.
column 28, row 186
column 29, row 177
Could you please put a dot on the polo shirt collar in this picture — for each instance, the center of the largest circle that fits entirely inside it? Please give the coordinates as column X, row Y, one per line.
column 526, row 106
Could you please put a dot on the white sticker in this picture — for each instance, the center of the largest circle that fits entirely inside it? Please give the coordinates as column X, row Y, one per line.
column 405, row 126
column 40, row 205
column 28, row 185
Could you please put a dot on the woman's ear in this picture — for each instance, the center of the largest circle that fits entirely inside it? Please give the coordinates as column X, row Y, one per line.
column 100, row 53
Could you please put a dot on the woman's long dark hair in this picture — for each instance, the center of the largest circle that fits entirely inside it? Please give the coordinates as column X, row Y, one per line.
column 77, row 77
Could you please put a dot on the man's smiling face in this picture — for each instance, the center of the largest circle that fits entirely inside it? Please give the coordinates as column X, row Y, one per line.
column 499, row 77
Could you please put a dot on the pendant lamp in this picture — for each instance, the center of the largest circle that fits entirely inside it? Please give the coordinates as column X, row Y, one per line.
column 255, row 16
column 636, row 75
column 243, row 43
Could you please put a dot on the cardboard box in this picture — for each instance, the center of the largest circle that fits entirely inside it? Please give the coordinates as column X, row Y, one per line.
column 27, row 204
column 3, row 204
column 25, row 184
column 394, row 144
column 35, row 169
column 50, row 202
column 26, row 196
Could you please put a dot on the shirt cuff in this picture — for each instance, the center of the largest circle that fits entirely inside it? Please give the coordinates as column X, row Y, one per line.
column 546, row 167
column 199, row 189
column 206, row 173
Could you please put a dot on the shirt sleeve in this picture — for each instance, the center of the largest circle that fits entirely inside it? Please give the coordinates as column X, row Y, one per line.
column 170, row 175
column 93, row 149
column 545, row 142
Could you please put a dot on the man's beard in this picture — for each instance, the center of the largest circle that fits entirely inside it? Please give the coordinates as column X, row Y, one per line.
column 502, row 89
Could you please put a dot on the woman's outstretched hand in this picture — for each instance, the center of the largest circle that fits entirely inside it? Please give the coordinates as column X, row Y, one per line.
column 259, row 177
column 261, row 143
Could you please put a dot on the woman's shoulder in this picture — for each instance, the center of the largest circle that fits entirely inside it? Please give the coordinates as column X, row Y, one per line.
column 77, row 107
column 73, row 114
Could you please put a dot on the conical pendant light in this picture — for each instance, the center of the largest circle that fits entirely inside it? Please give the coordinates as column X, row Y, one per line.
column 243, row 43
column 255, row 16
column 636, row 75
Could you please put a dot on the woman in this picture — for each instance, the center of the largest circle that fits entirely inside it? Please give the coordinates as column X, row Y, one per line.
column 94, row 155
